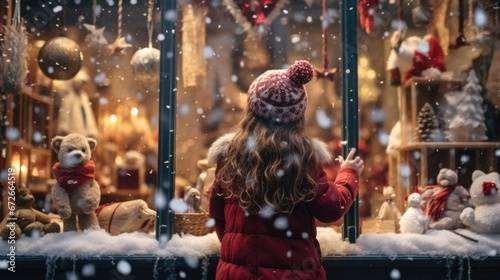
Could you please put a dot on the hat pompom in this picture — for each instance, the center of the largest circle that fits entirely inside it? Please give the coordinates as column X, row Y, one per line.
column 301, row 72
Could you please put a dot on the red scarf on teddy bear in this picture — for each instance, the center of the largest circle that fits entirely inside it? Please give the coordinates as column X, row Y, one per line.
column 437, row 203
column 72, row 178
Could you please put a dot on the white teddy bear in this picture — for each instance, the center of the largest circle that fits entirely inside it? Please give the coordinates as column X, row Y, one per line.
column 414, row 220
column 485, row 218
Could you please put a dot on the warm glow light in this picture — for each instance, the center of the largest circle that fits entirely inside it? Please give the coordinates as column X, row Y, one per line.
column 113, row 118
column 118, row 160
column 134, row 111
column 371, row 74
column 363, row 61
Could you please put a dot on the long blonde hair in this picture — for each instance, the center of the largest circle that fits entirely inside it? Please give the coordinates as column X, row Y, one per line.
column 269, row 165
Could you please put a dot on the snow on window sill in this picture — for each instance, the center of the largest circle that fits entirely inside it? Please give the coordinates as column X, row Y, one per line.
column 435, row 243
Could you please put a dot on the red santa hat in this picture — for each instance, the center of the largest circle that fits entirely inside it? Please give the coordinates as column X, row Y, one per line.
column 280, row 95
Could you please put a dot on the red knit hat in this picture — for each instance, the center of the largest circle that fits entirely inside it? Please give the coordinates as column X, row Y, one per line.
column 280, row 95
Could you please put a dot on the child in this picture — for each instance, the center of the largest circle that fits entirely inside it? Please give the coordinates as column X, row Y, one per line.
column 270, row 184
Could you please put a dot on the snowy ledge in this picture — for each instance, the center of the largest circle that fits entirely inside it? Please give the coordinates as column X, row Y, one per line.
column 96, row 244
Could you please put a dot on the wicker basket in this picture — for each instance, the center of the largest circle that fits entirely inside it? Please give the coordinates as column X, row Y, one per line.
column 192, row 223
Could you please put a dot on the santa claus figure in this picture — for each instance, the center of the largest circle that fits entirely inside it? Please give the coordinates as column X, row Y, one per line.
column 415, row 57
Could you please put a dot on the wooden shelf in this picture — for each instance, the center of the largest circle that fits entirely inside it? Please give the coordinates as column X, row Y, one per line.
column 449, row 145
column 40, row 98
column 417, row 163
column 419, row 81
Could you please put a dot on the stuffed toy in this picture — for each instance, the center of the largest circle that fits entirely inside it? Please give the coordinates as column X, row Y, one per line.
column 444, row 202
column 127, row 216
column 414, row 220
column 205, row 181
column 192, row 198
column 485, row 195
column 415, row 57
column 75, row 111
column 389, row 210
column 76, row 194
column 27, row 219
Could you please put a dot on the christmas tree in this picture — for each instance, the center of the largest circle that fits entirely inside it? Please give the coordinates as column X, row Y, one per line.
column 427, row 124
column 465, row 114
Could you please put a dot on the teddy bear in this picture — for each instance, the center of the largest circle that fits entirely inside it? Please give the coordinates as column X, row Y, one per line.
column 76, row 194
column 414, row 220
column 26, row 219
column 485, row 196
column 388, row 209
column 444, row 202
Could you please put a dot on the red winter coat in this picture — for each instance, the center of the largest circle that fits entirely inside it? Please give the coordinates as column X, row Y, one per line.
column 252, row 247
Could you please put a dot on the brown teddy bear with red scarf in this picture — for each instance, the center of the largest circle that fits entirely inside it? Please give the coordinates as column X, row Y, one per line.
column 444, row 202
column 76, row 194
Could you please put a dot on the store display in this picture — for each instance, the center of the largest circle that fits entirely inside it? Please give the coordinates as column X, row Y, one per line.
column 192, row 198
column 193, row 43
column 421, row 15
column 76, row 194
column 25, row 219
column 251, row 14
column 14, row 51
column 120, row 44
column 415, row 57
column 427, row 125
column 60, row 58
column 205, row 181
column 75, row 110
column 146, row 62
column 127, row 216
column 96, row 37
column 464, row 113
column 437, row 24
column 367, row 10
column 493, row 81
column 389, row 210
column 395, row 137
column 413, row 220
column 132, row 171
column 484, row 215
column 444, row 202
column 325, row 72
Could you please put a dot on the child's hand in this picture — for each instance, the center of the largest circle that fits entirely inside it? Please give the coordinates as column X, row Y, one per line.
column 357, row 163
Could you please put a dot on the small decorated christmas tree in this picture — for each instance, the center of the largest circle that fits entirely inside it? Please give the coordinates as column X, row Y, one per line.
column 427, row 124
column 465, row 114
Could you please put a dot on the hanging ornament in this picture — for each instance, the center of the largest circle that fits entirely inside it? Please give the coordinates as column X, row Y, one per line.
column 254, row 13
column 60, row 58
column 14, row 49
column 193, row 43
column 367, row 10
column 145, row 62
column 119, row 45
column 309, row 3
column 325, row 72
column 96, row 37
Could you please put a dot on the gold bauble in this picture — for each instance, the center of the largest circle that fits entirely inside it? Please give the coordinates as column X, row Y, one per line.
column 60, row 58
column 145, row 64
